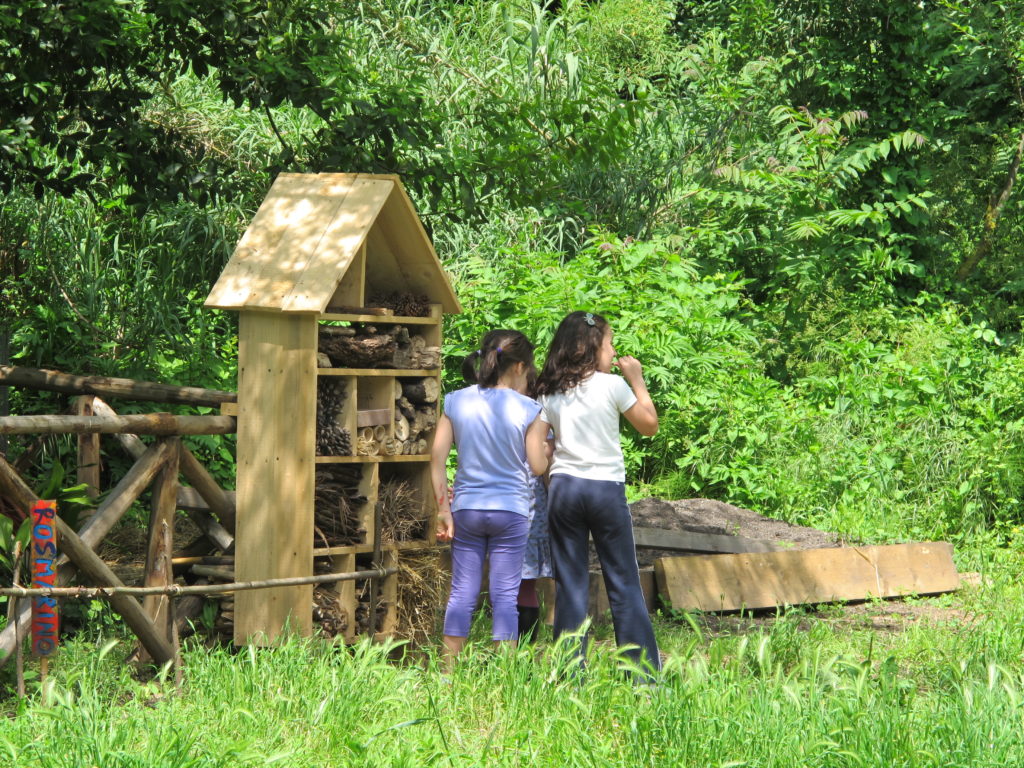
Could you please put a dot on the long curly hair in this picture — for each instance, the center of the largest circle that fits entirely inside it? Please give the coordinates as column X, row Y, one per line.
column 572, row 356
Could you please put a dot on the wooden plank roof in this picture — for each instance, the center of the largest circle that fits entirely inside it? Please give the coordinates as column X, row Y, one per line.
column 307, row 233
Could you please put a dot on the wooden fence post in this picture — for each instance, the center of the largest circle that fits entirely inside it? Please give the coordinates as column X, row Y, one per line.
column 161, row 541
column 88, row 450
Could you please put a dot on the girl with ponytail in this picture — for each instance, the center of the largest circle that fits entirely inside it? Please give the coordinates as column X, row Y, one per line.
column 500, row 441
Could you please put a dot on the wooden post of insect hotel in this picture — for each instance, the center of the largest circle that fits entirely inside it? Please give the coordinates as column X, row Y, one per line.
column 318, row 253
column 45, row 615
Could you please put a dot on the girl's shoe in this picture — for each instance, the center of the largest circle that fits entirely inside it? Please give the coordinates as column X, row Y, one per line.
column 529, row 620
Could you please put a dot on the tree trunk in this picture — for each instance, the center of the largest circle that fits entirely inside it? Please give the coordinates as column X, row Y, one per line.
column 992, row 216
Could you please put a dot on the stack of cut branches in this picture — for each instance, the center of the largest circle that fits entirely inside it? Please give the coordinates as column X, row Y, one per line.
column 335, row 511
column 363, row 609
column 415, row 413
column 402, row 514
column 327, row 613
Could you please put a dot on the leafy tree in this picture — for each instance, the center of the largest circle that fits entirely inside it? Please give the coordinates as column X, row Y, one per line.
column 78, row 76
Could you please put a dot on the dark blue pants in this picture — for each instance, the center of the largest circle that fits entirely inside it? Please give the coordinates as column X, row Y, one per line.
column 578, row 509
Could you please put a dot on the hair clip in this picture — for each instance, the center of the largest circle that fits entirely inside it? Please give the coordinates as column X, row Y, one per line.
column 589, row 318
column 479, row 353
column 498, row 350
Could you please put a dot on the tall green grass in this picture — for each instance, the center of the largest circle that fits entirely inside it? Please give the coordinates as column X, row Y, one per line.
column 802, row 689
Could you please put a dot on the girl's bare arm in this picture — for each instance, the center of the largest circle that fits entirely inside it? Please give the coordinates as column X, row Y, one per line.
column 443, row 439
column 642, row 415
column 537, row 446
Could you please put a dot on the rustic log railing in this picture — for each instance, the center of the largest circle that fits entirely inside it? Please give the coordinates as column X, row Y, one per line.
column 79, row 553
column 104, row 386
column 140, row 424
column 158, row 464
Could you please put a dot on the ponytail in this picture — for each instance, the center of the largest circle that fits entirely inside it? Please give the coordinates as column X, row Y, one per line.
column 498, row 351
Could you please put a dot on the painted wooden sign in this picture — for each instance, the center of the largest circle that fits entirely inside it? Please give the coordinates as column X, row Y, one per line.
column 45, row 615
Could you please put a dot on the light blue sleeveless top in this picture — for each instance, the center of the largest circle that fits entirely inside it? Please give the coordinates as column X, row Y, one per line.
column 490, row 436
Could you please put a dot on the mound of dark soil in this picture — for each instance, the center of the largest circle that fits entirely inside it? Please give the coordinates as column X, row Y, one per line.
column 718, row 517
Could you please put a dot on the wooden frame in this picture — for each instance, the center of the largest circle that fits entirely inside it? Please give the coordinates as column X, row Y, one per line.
column 320, row 247
column 276, row 442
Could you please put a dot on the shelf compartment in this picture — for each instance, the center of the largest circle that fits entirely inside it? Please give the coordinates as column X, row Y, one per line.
column 407, row 508
column 393, row 372
column 345, row 497
column 345, row 317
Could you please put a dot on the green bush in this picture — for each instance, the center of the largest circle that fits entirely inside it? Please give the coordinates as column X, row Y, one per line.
column 893, row 424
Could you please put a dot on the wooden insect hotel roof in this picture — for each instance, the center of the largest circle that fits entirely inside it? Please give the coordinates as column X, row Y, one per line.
column 308, row 233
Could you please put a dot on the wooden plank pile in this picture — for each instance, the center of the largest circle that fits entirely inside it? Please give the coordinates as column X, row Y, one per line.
column 719, row 572
column 768, row 579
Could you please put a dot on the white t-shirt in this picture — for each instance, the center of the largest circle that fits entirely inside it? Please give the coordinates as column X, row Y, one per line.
column 586, row 424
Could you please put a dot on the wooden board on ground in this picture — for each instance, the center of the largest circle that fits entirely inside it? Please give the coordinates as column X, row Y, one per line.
column 692, row 541
column 769, row 579
column 598, row 606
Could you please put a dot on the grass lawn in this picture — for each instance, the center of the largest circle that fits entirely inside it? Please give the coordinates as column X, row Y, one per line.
column 924, row 682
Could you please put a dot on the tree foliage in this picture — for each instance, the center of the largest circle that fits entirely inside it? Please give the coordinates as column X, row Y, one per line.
column 802, row 215
column 78, row 77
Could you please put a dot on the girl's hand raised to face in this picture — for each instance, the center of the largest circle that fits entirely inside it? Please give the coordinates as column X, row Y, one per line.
column 630, row 367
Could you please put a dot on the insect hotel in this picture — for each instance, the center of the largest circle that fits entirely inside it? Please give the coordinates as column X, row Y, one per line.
column 340, row 296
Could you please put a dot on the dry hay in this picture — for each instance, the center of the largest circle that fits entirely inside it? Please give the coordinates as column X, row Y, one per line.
column 402, row 515
column 422, row 593
column 337, row 499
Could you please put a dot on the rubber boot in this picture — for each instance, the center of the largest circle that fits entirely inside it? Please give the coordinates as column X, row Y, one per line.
column 529, row 620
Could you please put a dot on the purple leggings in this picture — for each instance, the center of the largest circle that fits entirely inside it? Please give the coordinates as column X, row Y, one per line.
column 500, row 537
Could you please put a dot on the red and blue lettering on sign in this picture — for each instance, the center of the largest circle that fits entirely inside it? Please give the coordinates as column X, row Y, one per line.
column 45, row 616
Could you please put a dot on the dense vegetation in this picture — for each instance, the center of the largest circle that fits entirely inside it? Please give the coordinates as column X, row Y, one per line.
column 801, row 215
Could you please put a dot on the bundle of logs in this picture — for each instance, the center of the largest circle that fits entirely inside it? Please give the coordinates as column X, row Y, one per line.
column 415, row 413
column 331, row 439
column 415, row 417
column 337, row 499
column 370, row 346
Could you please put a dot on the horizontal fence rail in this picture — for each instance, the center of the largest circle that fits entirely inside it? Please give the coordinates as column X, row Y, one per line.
column 164, row 424
column 174, row 590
